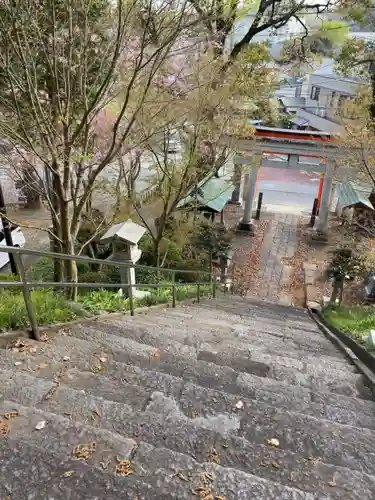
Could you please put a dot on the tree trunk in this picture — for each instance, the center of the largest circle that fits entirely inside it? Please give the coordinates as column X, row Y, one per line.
column 70, row 266
column 55, row 246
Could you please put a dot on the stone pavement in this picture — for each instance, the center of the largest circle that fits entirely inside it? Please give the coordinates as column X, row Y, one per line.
column 279, row 243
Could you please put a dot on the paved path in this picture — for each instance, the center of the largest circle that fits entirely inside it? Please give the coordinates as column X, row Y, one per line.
column 279, row 243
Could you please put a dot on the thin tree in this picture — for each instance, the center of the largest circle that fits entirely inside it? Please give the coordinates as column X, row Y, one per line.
column 74, row 75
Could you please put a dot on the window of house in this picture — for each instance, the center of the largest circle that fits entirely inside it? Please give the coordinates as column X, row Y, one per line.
column 315, row 91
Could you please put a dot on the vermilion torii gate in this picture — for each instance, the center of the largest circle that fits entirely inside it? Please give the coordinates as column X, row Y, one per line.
column 293, row 144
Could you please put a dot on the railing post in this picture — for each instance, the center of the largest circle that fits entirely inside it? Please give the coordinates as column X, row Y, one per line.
column 173, row 289
column 198, row 293
column 130, row 290
column 27, row 297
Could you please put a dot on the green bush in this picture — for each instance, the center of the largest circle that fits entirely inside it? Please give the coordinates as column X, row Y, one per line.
column 9, row 290
column 50, row 307
column 356, row 321
column 42, row 270
column 104, row 300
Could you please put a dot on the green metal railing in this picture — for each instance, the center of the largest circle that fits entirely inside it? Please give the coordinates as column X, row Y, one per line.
column 27, row 285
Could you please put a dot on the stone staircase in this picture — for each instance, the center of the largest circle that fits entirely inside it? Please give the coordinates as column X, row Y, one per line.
column 227, row 399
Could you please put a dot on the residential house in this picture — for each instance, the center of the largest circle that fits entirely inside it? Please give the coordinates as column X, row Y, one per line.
column 324, row 94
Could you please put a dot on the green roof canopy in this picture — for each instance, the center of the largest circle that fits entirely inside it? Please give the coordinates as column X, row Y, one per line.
column 212, row 193
column 350, row 194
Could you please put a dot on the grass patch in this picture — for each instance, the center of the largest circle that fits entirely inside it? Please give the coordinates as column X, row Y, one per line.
column 49, row 307
column 97, row 301
column 356, row 321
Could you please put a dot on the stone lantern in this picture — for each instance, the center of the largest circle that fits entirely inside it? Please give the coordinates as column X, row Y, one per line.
column 124, row 238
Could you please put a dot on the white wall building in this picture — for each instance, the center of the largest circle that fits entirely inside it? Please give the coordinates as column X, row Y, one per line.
column 324, row 94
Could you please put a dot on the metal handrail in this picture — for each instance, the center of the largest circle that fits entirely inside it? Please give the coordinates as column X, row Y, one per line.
column 28, row 285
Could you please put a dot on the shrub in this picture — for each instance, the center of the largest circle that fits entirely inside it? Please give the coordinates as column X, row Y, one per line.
column 42, row 270
column 97, row 301
column 50, row 307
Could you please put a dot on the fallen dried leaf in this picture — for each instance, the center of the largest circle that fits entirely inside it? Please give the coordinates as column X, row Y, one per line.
column 18, row 344
column 44, row 338
column 68, row 473
column 96, row 412
column 40, row 425
column 4, row 428
column 203, row 492
column 57, row 376
column 213, row 455
column 273, row 442
column 332, row 483
column 206, row 478
column 97, row 369
column 84, row 451
column 181, row 476
column 220, row 498
column 32, row 350
column 51, row 392
column 11, row 414
column 291, row 476
column 155, row 355
column 275, row 465
column 103, row 360
column 124, row 468
column 17, row 363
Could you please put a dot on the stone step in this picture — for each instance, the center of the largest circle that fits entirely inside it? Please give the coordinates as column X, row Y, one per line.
column 156, row 468
column 136, row 386
column 28, row 472
column 163, row 336
column 164, row 423
column 191, row 332
column 65, row 353
column 247, row 306
column 248, row 316
column 36, row 472
column 306, row 335
column 340, row 382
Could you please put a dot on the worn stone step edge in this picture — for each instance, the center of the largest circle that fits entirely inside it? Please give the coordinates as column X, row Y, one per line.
column 36, row 472
column 229, row 315
column 166, row 339
column 66, row 351
column 352, row 385
column 261, row 330
column 337, row 444
column 136, row 385
column 185, row 334
column 60, row 436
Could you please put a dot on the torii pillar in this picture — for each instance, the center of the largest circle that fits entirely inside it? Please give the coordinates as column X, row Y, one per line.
column 247, row 222
column 321, row 231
